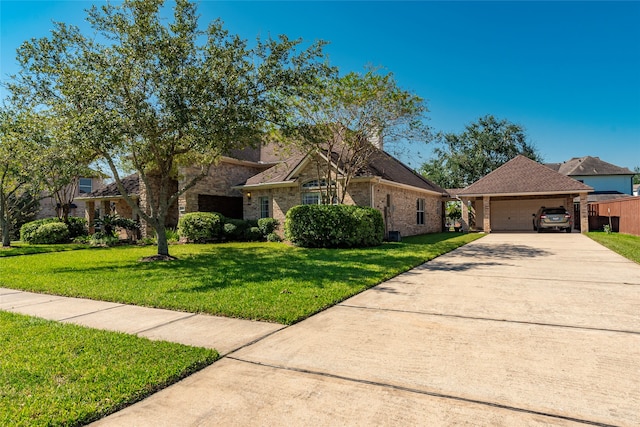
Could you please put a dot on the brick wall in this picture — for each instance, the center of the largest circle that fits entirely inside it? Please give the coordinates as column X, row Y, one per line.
column 218, row 182
column 401, row 215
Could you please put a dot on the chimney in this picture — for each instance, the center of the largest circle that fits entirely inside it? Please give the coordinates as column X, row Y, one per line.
column 376, row 139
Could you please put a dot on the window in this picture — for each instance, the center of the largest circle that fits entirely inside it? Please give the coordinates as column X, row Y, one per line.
column 310, row 198
column 85, row 185
column 316, row 184
column 420, row 211
column 264, row 207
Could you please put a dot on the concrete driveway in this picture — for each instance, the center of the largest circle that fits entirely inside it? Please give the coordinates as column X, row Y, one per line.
column 513, row 330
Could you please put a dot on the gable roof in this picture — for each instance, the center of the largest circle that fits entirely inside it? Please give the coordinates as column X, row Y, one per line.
column 131, row 185
column 380, row 164
column 523, row 176
column 588, row 166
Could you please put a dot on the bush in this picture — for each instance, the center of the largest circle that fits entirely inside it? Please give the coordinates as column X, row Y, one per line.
column 201, row 226
column 235, row 229
column 273, row 237
column 267, row 225
column 77, row 227
column 334, row 226
column 50, row 233
column 28, row 230
column 253, row 234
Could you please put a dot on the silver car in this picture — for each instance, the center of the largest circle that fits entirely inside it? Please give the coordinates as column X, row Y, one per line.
column 557, row 218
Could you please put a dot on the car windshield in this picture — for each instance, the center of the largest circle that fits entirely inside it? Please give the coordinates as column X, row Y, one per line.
column 554, row 211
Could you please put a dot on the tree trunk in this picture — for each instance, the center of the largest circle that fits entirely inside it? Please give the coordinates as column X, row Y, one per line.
column 4, row 223
column 163, row 244
column 6, row 240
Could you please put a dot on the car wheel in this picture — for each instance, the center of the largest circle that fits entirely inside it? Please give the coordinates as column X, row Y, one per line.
column 539, row 230
column 568, row 230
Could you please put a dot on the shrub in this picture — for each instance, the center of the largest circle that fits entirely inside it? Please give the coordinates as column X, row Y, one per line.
column 53, row 232
column 201, row 226
column 253, row 234
column 109, row 223
column 27, row 230
column 77, row 227
column 267, row 225
column 273, row 237
column 235, row 229
column 172, row 235
column 334, row 226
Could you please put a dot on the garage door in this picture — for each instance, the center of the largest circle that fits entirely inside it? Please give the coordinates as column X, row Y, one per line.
column 516, row 215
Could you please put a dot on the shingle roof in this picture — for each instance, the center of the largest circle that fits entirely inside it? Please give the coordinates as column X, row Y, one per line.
column 388, row 167
column 131, row 185
column 586, row 166
column 277, row 173
column 380, row 164
column 522, row 175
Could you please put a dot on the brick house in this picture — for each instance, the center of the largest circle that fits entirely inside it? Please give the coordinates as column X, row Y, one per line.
column 409, row 203
column 77, row 191
column 265, row 182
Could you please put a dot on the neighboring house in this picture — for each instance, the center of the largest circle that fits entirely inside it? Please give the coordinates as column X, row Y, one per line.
column 264, row 182
column 86, row 185
column 608, row 181
column 506, row 199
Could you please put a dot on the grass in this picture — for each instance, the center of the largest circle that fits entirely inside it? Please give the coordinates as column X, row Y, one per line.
column 60, row 374
column 262, row 281
column 625, row 244
column 20, row 248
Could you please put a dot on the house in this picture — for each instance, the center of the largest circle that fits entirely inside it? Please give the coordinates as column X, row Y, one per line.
column 410, row 204
column 506, row 199
column 608, row 181
column 267, row 181
column 49, row 207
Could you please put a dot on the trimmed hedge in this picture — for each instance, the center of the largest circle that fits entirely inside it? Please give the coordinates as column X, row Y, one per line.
column 334, row 226
column 201, row 226
column 28, row 230
column 76, row 227
column 50, row 233
column 267, row 225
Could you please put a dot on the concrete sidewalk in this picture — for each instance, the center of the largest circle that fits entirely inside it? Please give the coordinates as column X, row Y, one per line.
column 221, row 333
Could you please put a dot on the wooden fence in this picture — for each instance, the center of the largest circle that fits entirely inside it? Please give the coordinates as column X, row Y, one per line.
column 627, row 210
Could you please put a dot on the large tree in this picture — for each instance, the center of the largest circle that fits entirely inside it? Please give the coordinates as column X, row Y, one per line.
column 159, row 94
column 461, row 159
column 344, row 120
column 19, row 165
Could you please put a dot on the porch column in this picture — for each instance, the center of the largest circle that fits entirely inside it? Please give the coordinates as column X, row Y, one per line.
column 584, row 213
column 464, row 221
column 89, row 215
column 486, row 209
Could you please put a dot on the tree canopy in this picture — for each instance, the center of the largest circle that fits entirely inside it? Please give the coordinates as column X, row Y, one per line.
column 157, row 95
column 461, row 159
column 345, row 117
column 20, row 133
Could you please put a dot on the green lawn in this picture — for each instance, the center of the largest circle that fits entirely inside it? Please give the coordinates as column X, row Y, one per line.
column 264, row 281
column 625, row 244
column 59, row 374
column 20, row 248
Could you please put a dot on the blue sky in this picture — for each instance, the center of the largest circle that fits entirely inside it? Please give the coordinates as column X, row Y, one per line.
column 569, row 72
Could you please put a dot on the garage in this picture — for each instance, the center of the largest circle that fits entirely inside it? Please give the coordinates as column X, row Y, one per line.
column 506, row 199
column 516, row 214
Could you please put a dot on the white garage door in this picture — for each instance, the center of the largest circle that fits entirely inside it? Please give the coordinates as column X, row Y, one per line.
column 516, row 215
